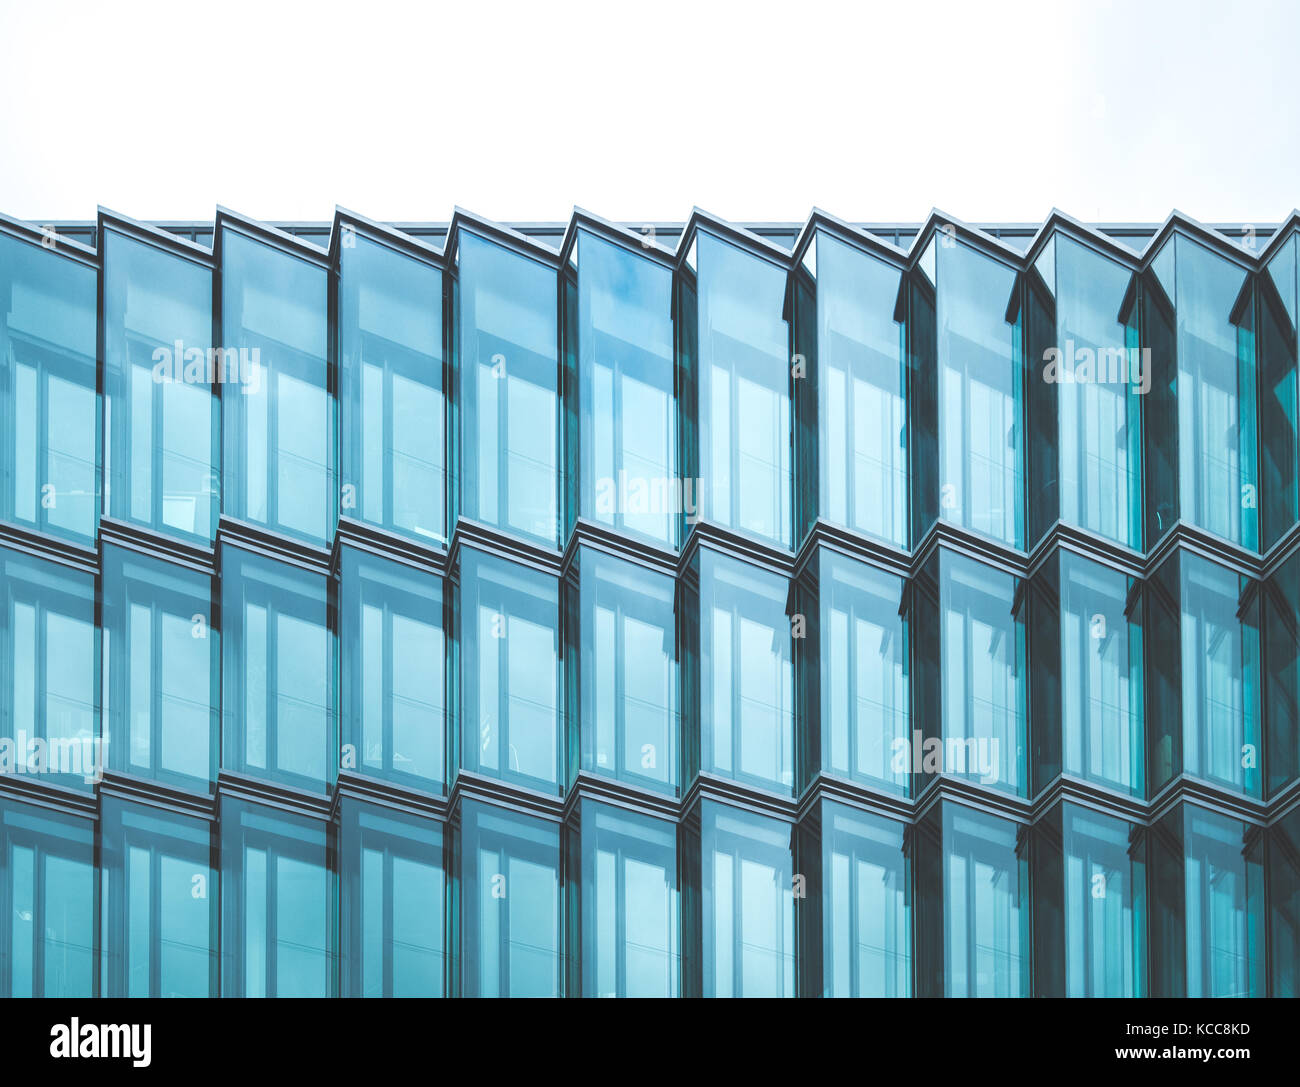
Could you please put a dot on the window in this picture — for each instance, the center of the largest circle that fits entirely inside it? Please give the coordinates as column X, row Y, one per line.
column 275, row 903
column 744, row 391
column 1284, row 904
column 740, row 904
column 625, row 908
column 739, row 674
column 49, row 408
column 1276, row 292
column 161, row 417
column 622, row 670
column 391, row 901
column 508, row 625
column 161, row 660
column 160, row 903
column 49, row 652
column 1281, row 636
column 848, row 326
column 390, row 334
column 47, row 900
column 619, row 389
column 279, row 661
column 507, row 375
column 507, row 903
column 276, row 404
column 394, row 670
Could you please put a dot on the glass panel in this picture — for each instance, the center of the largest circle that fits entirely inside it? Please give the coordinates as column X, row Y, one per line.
column 158, row 373
column 49, row 407
column 390, row 335
column 276, row 407
column 278, row 650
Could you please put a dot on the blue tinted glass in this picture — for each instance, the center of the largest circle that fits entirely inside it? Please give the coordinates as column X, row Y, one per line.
column 159, row 902
column 627, row 902
column 277, row 413
column 161, row 414
column 507, row 375
column 275, row 903
column 509, row 671
column 623, row 675
column 161, row 659
column 744, row 392
column 624, row 339
column 390, row 336
column 49, row 652
column 49, row 410
column 507, row 899
column 391, row 898
column 47, row 900
column 278, row 653
column 394, row 668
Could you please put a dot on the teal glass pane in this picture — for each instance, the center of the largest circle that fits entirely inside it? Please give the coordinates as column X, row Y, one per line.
column 393, row 675
column 1223, row 884
column 625, row 408
column 391, row 897
column 1276, row 299
column 739, row 674
column 276, row 902
column 1280, row 628
column 161, row 655
column 1085, row 646
column 1284, row 905
column 861, row 392
column 507, row 903
column 1086, row 376
column 622, row 671
column 509, row 668
column 159, row 905
column 47, row 901
column 161, row 417
column 865, row 905
column 627, row 902
column 852, row 664
column 739, row 904
column 392, row 375
column 980, row 394
column 49, row 407
column 743, row 365
column 278, row 671
column 277, row 410
column 49, row 660
column 507, row 389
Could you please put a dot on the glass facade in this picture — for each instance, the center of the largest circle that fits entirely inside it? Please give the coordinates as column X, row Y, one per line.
column 608, row 621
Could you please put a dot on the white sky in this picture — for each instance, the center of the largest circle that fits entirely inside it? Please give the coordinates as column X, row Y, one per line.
column 752, row 110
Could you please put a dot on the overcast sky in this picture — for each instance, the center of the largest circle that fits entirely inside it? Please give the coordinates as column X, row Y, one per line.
column 752, row 110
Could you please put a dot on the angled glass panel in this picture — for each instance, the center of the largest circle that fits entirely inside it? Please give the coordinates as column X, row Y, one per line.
column 1284, row 905
column 621, row 337
column 506, row 904
column 394, row 670
column 850, row 333
column 1276, row 302
column 392, row 902
column 509, row 671
column 161, row 417
column 1085, row 679
column 278, row 668
column 390, row 338
column 507, row 389
column 624, row 894
column 49, row 656
column 49, row 406
column 160, row 899
column 47, row 901
column 1280, row 626
column 1086, row 374
column 621, row 670
column 277, row 410
column 276, row 902
column 744, row 391
column 739, row 899
column 980, row 393
column 739, row 674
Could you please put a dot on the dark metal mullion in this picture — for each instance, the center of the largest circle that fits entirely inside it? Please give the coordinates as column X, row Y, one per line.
column 39, row 855
column 620, row 923
column 387, row 748
column 156, row 452
column 272, row 934
column 272, row 689
column 386, row 924
column 155, row 921
column 272, row 451
column 387, row 471
column 155, row 687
